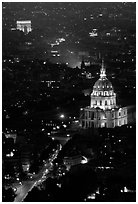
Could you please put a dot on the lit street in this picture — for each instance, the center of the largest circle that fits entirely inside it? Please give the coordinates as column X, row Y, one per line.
column 23, row 190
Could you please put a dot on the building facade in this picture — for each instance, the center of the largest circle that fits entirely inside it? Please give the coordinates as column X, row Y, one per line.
column 24, row 26
column 103, row 110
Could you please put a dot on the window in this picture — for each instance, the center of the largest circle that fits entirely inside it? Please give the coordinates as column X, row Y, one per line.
column 110, row 102
column 119, row 113
column 105, row 103
column 112, row 115
column 86, row 124
column 95, row 102
column 92, row 115
column 124, row 112
column 100, row 103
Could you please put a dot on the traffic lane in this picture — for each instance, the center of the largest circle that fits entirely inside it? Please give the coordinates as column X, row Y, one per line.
column 23, row 191
column 27, row 186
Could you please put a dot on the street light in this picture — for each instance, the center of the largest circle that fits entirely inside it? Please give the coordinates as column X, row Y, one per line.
column 62, row 116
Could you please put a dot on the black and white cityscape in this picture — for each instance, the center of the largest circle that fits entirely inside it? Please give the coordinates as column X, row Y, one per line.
column 69, row 101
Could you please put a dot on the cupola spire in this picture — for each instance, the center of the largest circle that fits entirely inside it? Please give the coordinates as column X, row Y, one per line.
column 102, row 70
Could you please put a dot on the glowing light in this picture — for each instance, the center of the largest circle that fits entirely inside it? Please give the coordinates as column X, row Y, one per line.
column 59, row 185
column 62, row 116
column 84, row 161
column 97, row 191
column 92, row 196
column 10, row 155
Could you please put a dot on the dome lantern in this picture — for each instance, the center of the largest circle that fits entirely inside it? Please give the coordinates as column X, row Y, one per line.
column 102, row 70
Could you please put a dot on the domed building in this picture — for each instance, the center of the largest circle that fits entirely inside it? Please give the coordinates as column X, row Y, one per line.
column 103, row 111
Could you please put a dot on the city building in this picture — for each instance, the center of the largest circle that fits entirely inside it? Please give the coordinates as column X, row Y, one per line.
column 24, row 26
column 70, row 161
column 103, row 110
column 11, row 135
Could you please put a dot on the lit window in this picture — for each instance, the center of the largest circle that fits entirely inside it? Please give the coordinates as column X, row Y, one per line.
column 106, row 93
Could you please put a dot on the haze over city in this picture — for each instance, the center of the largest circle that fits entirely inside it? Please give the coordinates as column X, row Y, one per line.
column 69, row 101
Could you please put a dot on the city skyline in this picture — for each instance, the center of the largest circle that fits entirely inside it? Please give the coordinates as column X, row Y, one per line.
column 76, row 31
column 69, row 101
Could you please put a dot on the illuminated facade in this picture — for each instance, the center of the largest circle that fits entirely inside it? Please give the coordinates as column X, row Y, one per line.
column 24, row 26
column 103, row 111
column 74, row 160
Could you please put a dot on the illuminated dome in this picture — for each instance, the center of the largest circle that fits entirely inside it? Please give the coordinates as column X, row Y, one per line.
column 103, row 85
column 103, row 95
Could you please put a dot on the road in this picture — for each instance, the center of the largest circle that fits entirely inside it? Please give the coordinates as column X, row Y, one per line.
column 27, row 186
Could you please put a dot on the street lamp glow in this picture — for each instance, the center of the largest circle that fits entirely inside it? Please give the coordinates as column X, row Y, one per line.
column 62, row 116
